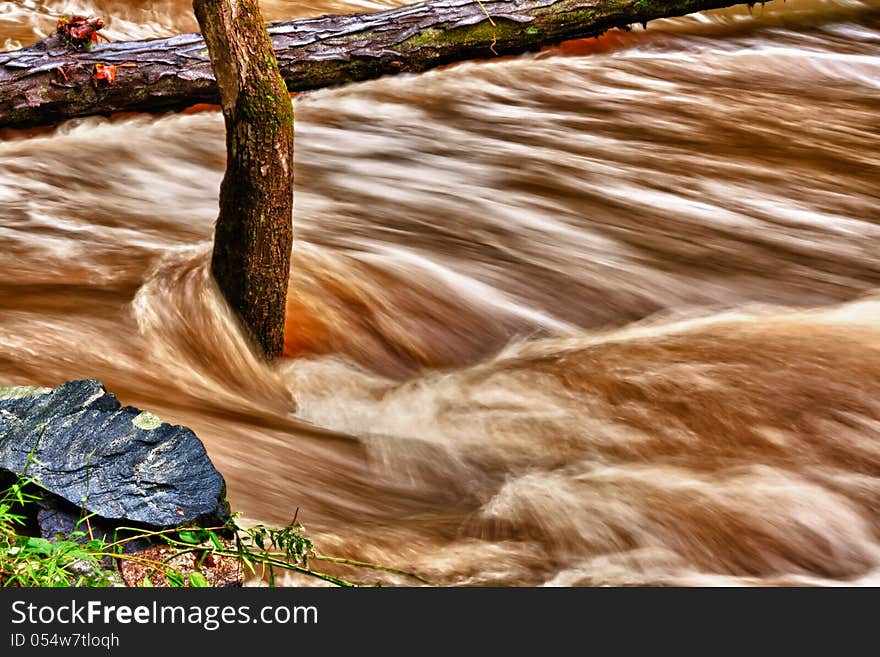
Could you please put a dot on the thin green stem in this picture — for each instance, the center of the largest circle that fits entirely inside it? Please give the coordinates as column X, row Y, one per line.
column 372, row 566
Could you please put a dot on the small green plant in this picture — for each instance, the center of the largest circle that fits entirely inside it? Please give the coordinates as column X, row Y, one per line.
column 33, row 561
column 81, row 559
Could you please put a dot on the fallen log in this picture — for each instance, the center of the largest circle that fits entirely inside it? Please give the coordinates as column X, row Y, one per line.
column 50, row 82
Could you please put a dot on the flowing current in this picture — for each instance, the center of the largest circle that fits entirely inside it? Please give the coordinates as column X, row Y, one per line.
column 604, row 314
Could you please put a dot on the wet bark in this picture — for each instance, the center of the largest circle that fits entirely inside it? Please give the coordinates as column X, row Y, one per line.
column 254, row 232
column 173, row 73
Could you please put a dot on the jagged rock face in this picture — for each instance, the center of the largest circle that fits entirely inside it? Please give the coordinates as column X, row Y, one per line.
column 118, row 462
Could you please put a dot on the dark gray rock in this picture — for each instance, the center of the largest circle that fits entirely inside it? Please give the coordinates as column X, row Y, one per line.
column 118, row 462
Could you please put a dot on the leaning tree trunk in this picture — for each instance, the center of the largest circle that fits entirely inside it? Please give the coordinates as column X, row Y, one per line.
column 254, row 233
column 172, row 73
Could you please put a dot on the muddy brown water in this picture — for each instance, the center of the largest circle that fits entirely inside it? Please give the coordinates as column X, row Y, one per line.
column 606, row 314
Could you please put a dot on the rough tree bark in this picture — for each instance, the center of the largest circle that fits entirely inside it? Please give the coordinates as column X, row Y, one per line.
column 318, row 52
column 254, row 232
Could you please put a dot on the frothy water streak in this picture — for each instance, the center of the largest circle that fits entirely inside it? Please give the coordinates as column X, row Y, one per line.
column 605, row 314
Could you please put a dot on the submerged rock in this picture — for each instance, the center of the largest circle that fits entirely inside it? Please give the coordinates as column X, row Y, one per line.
column 118, row 462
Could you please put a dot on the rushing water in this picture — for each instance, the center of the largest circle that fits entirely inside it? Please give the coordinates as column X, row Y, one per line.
column 607, row 314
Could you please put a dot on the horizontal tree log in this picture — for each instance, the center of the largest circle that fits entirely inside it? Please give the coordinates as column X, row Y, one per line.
column 49, row 82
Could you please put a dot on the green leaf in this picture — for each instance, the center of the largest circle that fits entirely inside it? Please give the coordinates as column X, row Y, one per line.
column 147, row 583
column 259, row 536
column 215, row 540
column 190, row 536
column 198, row 580
column 38, row 545
column 247, row 562
column 175, row 580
